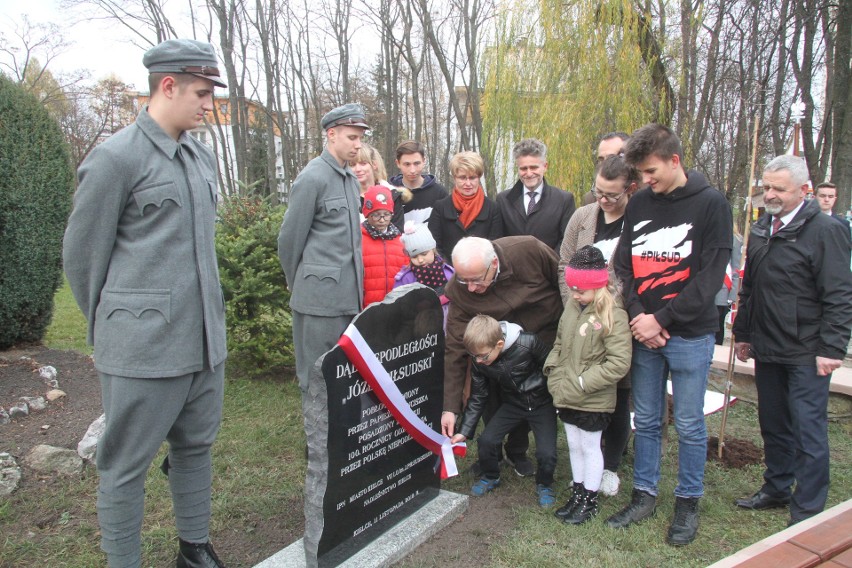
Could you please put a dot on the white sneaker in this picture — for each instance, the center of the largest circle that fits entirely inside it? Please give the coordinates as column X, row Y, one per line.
column 609, row 483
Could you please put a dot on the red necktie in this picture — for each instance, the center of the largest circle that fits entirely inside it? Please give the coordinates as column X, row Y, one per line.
column 776, row 225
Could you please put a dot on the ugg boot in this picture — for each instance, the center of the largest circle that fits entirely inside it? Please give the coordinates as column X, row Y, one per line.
column 684, row 525
column 565, row 510
column 587, row 507
column 195, row 555
column 642, row 505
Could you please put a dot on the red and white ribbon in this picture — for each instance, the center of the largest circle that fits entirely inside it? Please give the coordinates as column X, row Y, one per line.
column 375, row 375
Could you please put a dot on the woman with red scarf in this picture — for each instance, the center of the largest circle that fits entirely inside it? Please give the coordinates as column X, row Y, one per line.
column 467, row 211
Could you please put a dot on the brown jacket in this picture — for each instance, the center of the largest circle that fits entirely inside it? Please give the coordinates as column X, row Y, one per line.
column 526, row 292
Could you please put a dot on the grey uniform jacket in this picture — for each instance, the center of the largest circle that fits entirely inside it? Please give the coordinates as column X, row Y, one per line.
column 319, row 244
column 140, row 255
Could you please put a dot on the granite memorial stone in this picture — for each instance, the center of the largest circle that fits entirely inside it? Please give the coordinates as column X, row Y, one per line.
column 365, row 471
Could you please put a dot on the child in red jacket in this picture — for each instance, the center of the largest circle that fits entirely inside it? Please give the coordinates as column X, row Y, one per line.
column 381, row 245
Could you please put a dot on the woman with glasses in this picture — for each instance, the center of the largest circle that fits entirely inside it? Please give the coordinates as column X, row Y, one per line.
column 369, row 168
column 467, row 211
column 600, row 224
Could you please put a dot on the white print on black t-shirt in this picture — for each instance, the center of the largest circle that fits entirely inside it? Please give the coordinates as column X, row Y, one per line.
column 607, row 247
column 660, row 258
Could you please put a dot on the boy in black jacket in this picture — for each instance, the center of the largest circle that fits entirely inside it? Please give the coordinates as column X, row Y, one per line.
column 504, row 353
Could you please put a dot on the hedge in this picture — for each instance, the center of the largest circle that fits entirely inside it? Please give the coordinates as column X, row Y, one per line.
column 36, row 189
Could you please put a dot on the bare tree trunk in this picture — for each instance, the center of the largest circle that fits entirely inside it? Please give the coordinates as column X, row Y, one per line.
column 774, row 123
column 805, row 16
column 264, row 22
column 339, row 18
column 685, row 94
column 228, row 20
column 390, row 67
column 652, row 55
column 431, row 35
column 700, row 108
column 415, row 64
column 841, row 142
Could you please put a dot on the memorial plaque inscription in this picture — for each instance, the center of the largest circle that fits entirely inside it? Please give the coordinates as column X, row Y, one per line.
column 364, row 468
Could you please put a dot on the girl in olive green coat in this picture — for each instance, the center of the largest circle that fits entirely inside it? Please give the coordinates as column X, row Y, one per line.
column 591, row 354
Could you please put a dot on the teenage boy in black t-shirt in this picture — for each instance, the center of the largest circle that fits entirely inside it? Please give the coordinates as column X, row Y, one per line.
column 671, row 260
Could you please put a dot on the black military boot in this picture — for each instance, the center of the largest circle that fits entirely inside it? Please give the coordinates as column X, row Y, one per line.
column 684, row 525
column 195, row 555
column 586, row 508
column 565, row 510
column 642, row 505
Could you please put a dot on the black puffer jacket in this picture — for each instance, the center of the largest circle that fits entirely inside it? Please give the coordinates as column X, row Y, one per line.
column 518, row 371
column 796, row 298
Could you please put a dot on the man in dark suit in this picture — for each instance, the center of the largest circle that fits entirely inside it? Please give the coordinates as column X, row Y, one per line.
column 531, row 207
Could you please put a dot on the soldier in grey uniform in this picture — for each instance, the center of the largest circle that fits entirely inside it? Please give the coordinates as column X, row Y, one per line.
column 319, row 244
column 140, row 259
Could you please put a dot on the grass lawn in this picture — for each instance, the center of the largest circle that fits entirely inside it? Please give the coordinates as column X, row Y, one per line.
column 67, row 329
column 538, row 540
column 260, row 470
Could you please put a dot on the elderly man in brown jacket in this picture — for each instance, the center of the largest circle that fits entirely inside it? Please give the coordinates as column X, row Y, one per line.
column 513, row 279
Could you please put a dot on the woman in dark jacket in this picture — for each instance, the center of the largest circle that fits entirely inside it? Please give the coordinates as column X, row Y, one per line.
column 467, row 211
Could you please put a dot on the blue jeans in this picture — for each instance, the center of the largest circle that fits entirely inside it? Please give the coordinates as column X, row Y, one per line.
column 688, row 360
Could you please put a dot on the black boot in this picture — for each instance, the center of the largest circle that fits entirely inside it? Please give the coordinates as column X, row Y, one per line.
column 565, row 510
column 685, row 522
column 586, row 508
column 194, row 555
column 642, row 505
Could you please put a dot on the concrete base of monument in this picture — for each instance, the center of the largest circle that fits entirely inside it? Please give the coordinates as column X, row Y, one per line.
column 392, row 546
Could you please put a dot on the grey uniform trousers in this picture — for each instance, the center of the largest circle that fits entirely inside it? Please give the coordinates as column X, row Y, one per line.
column 186, row 412
column 313, row 336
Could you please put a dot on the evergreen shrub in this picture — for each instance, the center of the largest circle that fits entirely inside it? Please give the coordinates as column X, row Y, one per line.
column 260, row 337
column 36, row 189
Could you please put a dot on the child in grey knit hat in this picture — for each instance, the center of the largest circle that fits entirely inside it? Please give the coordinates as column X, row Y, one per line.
column 426, row 266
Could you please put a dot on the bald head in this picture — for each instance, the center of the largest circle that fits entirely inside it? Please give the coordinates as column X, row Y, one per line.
column 473, row 251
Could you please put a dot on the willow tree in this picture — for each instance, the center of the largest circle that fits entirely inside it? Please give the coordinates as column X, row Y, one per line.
column 566, row 74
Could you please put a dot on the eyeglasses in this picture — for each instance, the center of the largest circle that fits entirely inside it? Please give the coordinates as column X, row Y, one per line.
column 479, row 281
column 380, row 215
column 482, row 358
column 463, row 179
column 596, row 193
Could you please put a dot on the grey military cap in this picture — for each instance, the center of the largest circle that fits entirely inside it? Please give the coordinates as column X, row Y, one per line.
column 351, row 114
column 184, row 56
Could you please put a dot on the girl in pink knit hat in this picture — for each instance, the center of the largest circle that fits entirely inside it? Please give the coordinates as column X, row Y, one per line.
column 590, row 355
